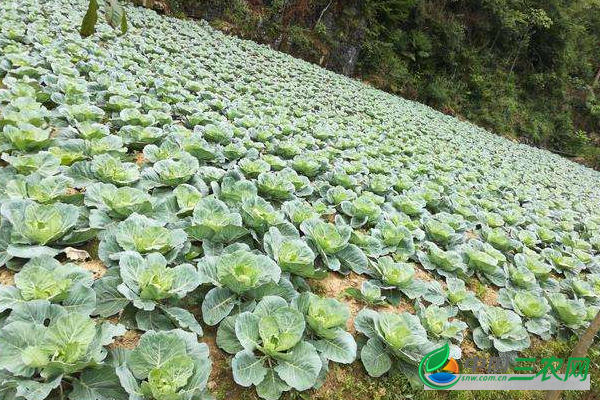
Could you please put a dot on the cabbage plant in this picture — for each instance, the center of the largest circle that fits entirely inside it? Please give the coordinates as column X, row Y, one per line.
column 500, row 239
column 326, row 320
column 394, row 238
column 338, row 194
column 186, row 197
column 232, row 190
column 570, row 312
column 239, row 276
column 522, row 277
column 394, row 340
column 541, row 269
column 501, row 329
column 362, row 211
column 104, row 168
column 583, row 288
column 41, row 189
column 440, row 232
column 562, row 262
column 395, row 276
column 270, row 349
column 533, row 307
column 26, row 137
column 447, row 263
column 213, row 221
column 55, row 349
column 259, row 215
column 150, row 291
column 112, row 204
column 369, row 293
column 40, row 229
column 137, row 136
column 487, row 262
column 177, row 146
column 275, row 186
column 411, row 205
column 459, row 296
column 144, row 235
column 331, row 242
column 290, row 252
column 369, row 244
column 170, row 172
column 299, row 211
column 44, row 278
column 442, row 325
column 166, row 365
column 43, row 163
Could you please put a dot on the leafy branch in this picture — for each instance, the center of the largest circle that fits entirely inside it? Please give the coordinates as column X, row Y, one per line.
column 115, row 16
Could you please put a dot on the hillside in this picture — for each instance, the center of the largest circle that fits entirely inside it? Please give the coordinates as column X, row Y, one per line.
column 523, row 69
column 185, row 212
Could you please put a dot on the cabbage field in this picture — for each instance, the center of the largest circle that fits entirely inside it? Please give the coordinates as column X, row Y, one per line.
column 172, row 195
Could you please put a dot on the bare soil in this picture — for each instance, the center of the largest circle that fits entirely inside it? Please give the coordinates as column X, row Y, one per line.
column 96, row 267
column 335, row 284
column 128, row 341
column 7, row 277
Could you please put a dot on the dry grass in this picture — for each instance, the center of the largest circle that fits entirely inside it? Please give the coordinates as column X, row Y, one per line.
column 96, row 267
column 468, row 348
column 128, row 341
column 471, row 235
column 490, row 297
column 422, row 274
column 486, row 293
column 140, row 159
column 7, row 277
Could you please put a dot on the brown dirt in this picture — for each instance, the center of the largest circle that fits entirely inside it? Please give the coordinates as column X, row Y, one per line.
column 160, row 6
column 329, row 218
column 471, row 235
column 221, row 377
column 218, row 357
column 402, row 307
column 336, row 376
column 91, row 247
column 491, row 297
column 350, row 382
column 140, row 159
column 422, row 274
column 7, row 277
column 96, row 267
column 72, row 191
column 128, row 341
column 468, row 348
column 333, row 286
column 490, row 294
column 536, row 343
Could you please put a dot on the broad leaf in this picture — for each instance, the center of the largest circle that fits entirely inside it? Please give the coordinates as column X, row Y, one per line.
column 375, row 358
column 248, row 369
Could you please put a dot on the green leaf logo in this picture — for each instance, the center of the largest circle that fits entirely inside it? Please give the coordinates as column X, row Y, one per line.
column 437, row 358
column 433, row 361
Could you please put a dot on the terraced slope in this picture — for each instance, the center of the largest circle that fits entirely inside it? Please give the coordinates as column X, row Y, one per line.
column 174, row 179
